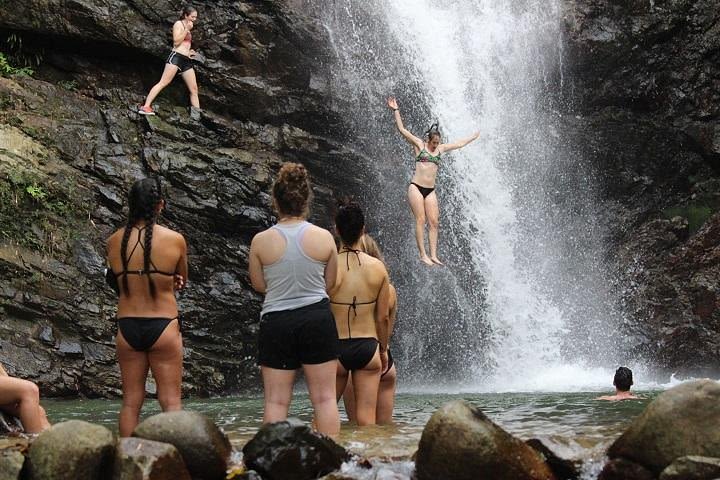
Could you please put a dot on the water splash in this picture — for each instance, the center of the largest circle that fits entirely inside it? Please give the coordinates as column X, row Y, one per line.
column 526, row 301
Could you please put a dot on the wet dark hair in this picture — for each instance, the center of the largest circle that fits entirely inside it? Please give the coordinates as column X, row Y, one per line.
column 433, row 131
column 143, row 197
column 623, row 379
column 186, row 11
column 349, row 221
column 291, row 191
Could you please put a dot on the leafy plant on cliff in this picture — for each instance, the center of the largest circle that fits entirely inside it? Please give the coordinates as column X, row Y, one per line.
column 39, row 213
column 6, row 69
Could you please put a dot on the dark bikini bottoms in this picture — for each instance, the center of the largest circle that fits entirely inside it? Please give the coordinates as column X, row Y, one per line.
column 183, row 62
column 356, row 353
column 142, row 332
column 391, row 362
column 424, row 191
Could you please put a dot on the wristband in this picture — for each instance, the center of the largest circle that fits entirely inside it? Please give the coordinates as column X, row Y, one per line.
column 395, row 109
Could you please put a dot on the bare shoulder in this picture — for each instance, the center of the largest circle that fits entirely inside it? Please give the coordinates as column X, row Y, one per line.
column 115, row 237
column 320, row 234
column 376, row 265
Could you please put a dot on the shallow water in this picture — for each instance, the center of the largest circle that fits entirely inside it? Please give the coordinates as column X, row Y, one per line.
column 576, row 424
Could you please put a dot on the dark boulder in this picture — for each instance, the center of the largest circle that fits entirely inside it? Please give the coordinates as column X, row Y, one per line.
column 202, row 445
column 624, row 469
column 680, row 422
column 564, row 469
column 10, row 425
column 141, row 459
column 461, row 443
column 692, row 468
column 73, row 450
column 290, row 450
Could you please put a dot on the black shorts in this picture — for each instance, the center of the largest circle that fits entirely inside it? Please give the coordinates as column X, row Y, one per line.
column 291, row 338
column 183, row 62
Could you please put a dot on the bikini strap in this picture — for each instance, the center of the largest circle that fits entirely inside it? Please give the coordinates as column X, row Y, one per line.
column 347, row 258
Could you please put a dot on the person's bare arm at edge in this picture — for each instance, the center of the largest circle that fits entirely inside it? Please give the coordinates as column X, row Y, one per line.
column 331, row 270
column 181, row 269
column 447, row 147
column 412, row 139
column 3, row 373
column 382, row 317
column 255, row 268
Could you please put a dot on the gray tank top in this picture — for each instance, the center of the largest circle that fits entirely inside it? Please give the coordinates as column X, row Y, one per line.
column 296, row 280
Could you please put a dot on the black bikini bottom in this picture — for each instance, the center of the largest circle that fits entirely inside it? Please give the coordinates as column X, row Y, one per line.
column 142, row 332
column 391, row 362
column 356, row 353
column 424, row 191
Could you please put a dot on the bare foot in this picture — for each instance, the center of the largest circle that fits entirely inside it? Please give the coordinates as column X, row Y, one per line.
column 426, row 260
column 436, row 261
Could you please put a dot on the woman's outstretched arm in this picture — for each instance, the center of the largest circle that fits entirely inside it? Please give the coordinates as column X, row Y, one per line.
column 412, row 139
column 446, row 147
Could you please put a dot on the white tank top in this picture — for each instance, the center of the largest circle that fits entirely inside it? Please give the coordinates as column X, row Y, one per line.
column 296, row 280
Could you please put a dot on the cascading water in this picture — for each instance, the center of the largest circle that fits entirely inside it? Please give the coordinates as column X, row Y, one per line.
column 524, row 302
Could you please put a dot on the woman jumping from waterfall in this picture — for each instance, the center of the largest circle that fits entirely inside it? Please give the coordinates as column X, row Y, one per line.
column 421, row 191
column 150, row 263
column 179, row 60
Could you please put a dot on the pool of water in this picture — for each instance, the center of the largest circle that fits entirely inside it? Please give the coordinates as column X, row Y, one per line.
column 576, row 424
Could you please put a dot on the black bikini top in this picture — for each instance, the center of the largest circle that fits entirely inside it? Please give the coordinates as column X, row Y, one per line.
column 153, row 268
column 352, row 306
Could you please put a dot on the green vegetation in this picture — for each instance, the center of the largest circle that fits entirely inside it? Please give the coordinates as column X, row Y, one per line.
column 6, row 69
column 39, row 213
column 68, row 84
column 696, row 214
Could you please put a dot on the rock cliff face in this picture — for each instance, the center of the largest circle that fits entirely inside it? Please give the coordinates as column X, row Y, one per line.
column 70, row 146
column 646, row 76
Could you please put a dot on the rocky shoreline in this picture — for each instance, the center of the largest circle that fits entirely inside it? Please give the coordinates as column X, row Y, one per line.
column 674, row 438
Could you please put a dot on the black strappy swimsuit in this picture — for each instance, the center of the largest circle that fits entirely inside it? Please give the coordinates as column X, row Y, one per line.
column 142, row 332
column 356, row 353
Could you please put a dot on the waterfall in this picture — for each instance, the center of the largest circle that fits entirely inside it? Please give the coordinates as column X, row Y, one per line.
column 525, row 301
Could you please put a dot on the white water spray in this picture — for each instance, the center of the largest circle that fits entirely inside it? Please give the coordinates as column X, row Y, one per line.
column 489, row 65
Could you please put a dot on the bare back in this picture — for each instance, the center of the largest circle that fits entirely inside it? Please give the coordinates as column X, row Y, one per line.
column 364, row 279
column 168, row 255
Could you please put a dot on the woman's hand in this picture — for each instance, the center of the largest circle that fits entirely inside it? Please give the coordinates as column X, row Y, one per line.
column 189, row 24
column 193, row 53
column 392, row 103
column 179, row 282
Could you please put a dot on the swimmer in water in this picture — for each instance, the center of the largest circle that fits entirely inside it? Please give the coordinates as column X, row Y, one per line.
column 179, row 60
column 623, row 381
column 421, row 191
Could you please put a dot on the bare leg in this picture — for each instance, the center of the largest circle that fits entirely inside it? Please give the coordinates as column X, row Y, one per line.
column 366, row 382
column 320, row 380
column 167, row 76
column 348, row 397
column 278, row 387
column 418, row 208
column 166, row 363
column 433, row 217
column 22, row 399
column 133, row 371
column 191, row 82
column 386, row 396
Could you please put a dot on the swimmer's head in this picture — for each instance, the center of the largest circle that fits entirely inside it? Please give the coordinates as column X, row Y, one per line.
column 370, row 246
column 623, row 379
column 291, row 192
column 433, row 136
column 188, row 13
column 145, row 200
column 349, row 221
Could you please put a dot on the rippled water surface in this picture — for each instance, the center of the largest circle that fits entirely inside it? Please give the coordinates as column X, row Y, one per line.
column 575, row 423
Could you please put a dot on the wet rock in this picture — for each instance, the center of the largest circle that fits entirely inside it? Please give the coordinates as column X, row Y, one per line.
column 73, row 450
column 681, row 421
column 563, row 469
column 10, row 425
column 692, row 468
column 461, row 443
column 624, row 469
column 202, row 445
column 290, row 450
column 11, row 464
column 141, row 459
